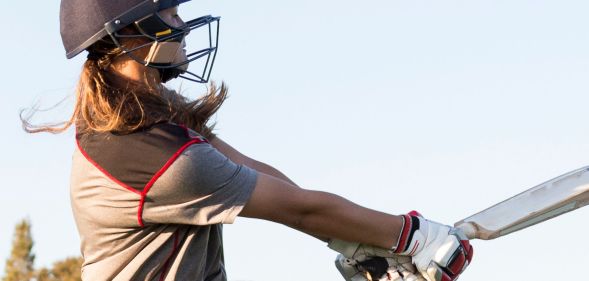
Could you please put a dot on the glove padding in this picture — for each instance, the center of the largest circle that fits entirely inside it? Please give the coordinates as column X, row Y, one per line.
column 358, row 262
column 440, row 252
column 397, row 268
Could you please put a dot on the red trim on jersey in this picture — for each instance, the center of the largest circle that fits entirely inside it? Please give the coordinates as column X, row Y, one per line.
column 143, row 194
column 166, row 266
column 159, row 174
column 187, row 131
column 107, row 174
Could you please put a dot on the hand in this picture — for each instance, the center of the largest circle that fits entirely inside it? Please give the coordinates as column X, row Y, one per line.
column 397, row 268
column 440, row 252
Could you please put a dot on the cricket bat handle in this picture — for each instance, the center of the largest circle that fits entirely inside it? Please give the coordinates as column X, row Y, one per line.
column 469, row 229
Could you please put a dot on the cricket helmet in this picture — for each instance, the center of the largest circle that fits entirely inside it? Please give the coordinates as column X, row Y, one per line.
column 85, row 22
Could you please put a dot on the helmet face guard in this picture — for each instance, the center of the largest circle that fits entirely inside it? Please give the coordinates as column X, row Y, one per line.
column 166, row 42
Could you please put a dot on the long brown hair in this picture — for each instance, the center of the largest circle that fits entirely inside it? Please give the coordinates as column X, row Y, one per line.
column 108, row 103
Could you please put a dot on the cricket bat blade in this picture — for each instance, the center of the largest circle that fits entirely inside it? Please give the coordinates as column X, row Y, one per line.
column 540, row 203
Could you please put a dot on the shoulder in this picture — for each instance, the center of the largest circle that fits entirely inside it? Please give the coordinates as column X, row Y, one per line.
column 133, row 159
column 160, row 138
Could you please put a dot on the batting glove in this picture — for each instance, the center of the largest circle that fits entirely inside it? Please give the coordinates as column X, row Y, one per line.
column 359, row 262
column 440, row 252
column 399, row 268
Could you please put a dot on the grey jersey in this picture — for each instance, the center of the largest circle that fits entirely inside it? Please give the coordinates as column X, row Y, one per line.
column 150, row 205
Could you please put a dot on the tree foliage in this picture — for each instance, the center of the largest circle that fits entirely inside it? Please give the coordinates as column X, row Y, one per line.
column 64, row 270
column 20, row 264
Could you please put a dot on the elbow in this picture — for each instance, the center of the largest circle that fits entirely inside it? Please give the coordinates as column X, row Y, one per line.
column 306, row 213
column 300, row 221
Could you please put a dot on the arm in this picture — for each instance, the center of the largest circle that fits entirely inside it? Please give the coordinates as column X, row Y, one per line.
column 439, row 252
column 320, row 213
column 277, row 199
column 268, row 170
column 238, row 158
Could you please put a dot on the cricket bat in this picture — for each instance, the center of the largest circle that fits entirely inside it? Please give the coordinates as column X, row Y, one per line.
column 540, row 203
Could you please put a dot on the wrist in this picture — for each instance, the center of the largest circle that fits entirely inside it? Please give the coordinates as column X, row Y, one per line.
column 406, row 244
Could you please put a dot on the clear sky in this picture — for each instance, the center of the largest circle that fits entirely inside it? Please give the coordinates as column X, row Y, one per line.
column 445, row 107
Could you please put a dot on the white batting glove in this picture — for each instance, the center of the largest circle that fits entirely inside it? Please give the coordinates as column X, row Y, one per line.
column 399, row 268
column 440, row 252
column 359, row 262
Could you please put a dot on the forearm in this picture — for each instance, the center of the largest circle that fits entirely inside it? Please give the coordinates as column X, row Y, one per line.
column 271, row 171
column 320, row 214
column 327, row 221
column 330, row 215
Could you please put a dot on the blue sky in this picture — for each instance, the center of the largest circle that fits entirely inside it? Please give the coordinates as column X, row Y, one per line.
column 445, row 107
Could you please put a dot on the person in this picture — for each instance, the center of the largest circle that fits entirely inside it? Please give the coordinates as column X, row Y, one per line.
column 152, row 185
